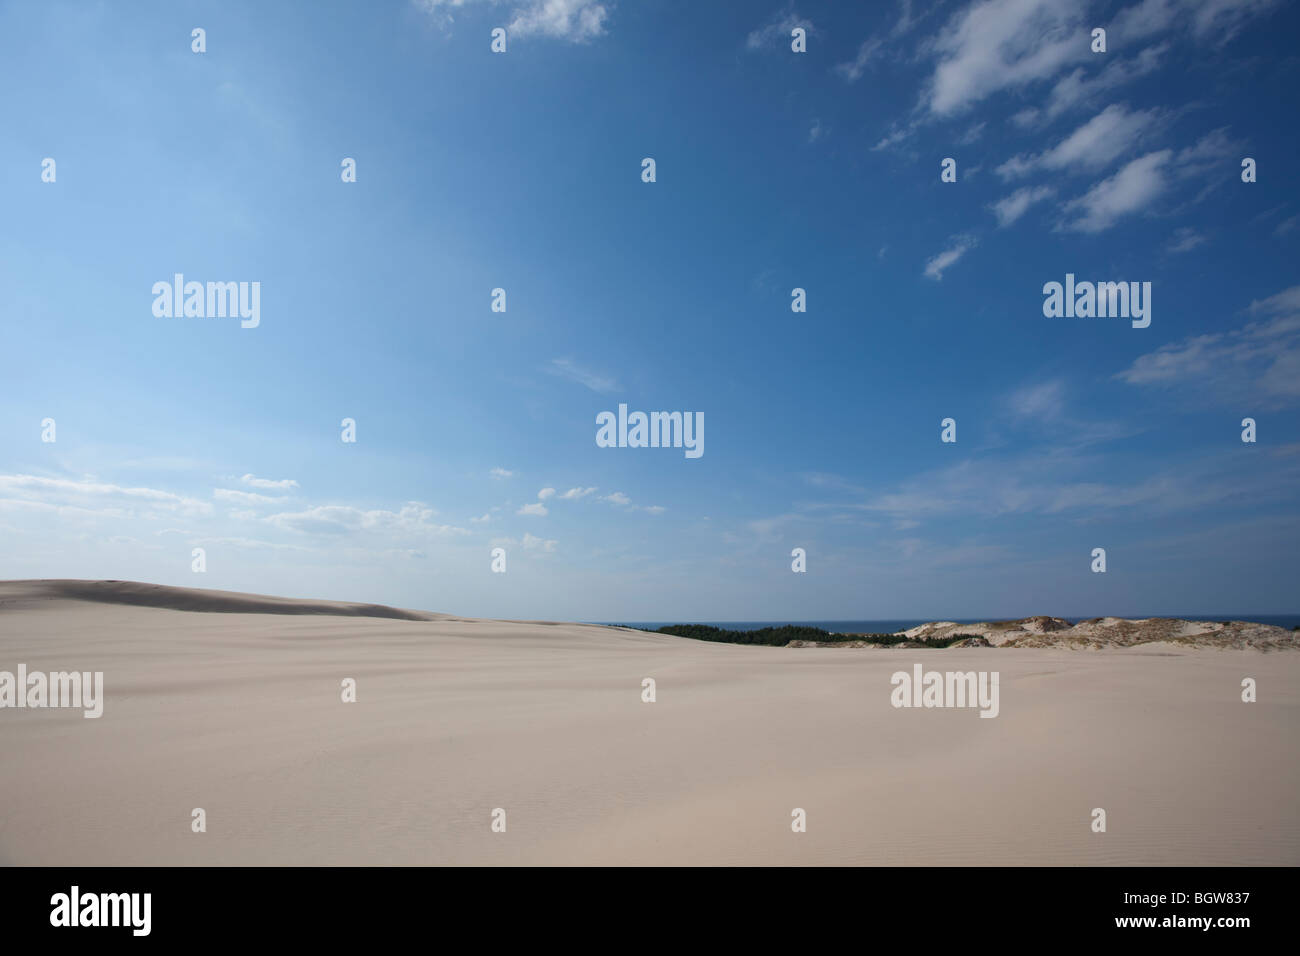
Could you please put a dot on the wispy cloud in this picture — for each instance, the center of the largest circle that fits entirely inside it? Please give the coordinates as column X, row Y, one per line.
column 596, row 381
column 529, row 542
column 1259, row 362
column 999, row 45
column 414, row 518
column 243, row 497
column 93, row 495
column 1184, row 240
column 577, row 21
column 281, row 484
column 623, row 501
column 777, row 30
column 1092, row 146
column 895, row 136
column 852, row 70
column 1044, row 401
column 1144, row 180
column 1010, row 208
column 1050, row 485
column 1128, row 191
column 1078, row 89
column 1211, row 20
column 936, row 266
column 872, row 46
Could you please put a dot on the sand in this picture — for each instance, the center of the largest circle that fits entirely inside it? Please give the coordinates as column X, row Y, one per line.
column 240, row 714
column 1117, row 632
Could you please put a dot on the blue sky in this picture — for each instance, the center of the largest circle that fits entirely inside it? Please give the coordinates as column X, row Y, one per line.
column 774, row 170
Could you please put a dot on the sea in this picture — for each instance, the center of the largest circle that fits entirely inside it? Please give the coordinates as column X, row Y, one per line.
column 1288, row 621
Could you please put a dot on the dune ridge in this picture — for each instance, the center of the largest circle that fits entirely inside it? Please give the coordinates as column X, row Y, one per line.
column 31, row 593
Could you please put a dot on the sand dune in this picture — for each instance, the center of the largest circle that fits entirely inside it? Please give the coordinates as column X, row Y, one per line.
column 1118, row 632
column 239, row 713
column 27, row 594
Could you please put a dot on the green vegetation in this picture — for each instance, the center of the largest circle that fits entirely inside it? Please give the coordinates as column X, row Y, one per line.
column 780, row 636
column 777, row 636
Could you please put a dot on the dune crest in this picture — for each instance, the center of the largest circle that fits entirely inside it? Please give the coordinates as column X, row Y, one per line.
column 25, row 595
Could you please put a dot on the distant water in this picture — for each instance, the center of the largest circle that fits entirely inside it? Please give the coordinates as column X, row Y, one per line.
column 1288, row 621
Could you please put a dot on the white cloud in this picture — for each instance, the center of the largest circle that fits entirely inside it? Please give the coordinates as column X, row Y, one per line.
column 577, row 492
column 248, row 544
column 998, row 45
column 1026, row 118
column 1010, row 208
column 577, row 21
column 412, row 519
column 623, row 501
column 1041, row 402
column 241, row 497
column 534, row 543
column 282, row 484
column 1185, row 239
column 936, row 266
column 567, row 368
column 1144, row 179
column 536, row 508
column 545, row 493
column 895, row 135
column 1038, row 484
column 1093, row 145
column 104, row 497
column 529, row 542
column 853, row 69
column 1208, row 20
column 1128, row 191
column 1285, row 302
column 1211, row 150
column 870, row 47
column 777, row 31
column 1077, row 89
column 1257, row 363
column 501, row 473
